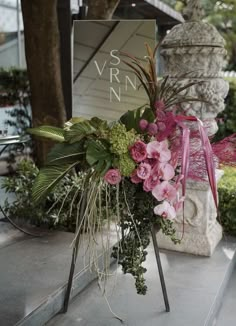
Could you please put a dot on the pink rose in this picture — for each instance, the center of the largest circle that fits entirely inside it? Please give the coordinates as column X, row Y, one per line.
column 150, row 183
column 113, row 176
column 165, row 210
column 164, row 191
column 134, row 178
column 138, row 151
column 144, row 171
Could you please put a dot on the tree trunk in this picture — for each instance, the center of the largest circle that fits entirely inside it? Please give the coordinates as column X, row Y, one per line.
column 42, row 43
column 101, row 9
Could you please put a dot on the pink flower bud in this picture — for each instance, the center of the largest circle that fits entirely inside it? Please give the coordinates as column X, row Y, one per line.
column 143, row 124
column 152, row 129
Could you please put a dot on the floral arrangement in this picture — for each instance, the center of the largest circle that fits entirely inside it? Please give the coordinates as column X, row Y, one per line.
column 136, row 167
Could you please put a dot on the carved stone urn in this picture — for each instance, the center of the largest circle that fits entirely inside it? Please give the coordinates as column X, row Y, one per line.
column 194, row 52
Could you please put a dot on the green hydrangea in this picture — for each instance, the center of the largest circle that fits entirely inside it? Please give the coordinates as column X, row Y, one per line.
column 126, row 165
column 121, row 139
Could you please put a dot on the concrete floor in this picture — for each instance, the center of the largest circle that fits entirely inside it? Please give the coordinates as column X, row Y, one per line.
column 33, row 271
column 227, row 314
column 193, row 283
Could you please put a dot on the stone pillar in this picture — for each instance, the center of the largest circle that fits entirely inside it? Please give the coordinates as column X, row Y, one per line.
column 194, row 51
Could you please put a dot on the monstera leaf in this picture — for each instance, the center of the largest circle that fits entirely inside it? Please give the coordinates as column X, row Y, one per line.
column 131, row 118
column 49, row 132
column 60, row 161
column 99, row 156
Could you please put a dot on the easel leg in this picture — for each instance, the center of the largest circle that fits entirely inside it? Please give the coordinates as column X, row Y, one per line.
column 158, row 260
column 74, row 257
column 70, row 280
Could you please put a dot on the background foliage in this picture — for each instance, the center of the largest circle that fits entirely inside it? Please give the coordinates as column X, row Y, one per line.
column 227, row 201
column 15, row 92
column 57, row 210
column 227, row 118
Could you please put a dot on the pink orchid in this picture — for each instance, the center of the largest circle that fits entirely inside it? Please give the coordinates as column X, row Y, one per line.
column 144, row 171
column 158, row 150
column 165, row 210
column 134, row 178
column 167, row 171
column 163, row 191
column 154, row 179
column 113, row 176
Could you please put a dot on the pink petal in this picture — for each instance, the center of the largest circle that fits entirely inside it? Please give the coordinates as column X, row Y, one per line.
column 163, row 191
column 165, row 210
column 167, row 171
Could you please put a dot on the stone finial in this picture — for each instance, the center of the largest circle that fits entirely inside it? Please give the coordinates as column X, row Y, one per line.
column 194, row 11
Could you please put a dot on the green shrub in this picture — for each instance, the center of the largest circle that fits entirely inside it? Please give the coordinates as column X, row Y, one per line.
column 227, row 200
column 59, row 209
column 227, row 118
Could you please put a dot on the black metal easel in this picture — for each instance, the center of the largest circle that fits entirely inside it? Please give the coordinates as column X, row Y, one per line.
column 74, row 258
column 160, row 270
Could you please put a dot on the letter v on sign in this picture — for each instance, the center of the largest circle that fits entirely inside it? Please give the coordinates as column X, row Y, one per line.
column 100, row 71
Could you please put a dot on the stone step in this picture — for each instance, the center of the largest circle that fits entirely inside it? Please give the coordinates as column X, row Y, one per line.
column 195, row 287
column 33, row 277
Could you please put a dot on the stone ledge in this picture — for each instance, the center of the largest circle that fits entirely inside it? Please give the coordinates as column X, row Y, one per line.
column 193, row 243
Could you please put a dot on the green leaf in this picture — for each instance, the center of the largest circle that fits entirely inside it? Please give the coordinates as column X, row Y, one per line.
column 78, row 131
column 49, row 132
column 48, row 178
column 64, row 152
column 99, row 156
column 61, row 160
column 98, row 123
column 131, row 118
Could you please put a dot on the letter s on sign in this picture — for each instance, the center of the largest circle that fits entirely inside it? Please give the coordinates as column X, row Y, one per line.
column 114, row 56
